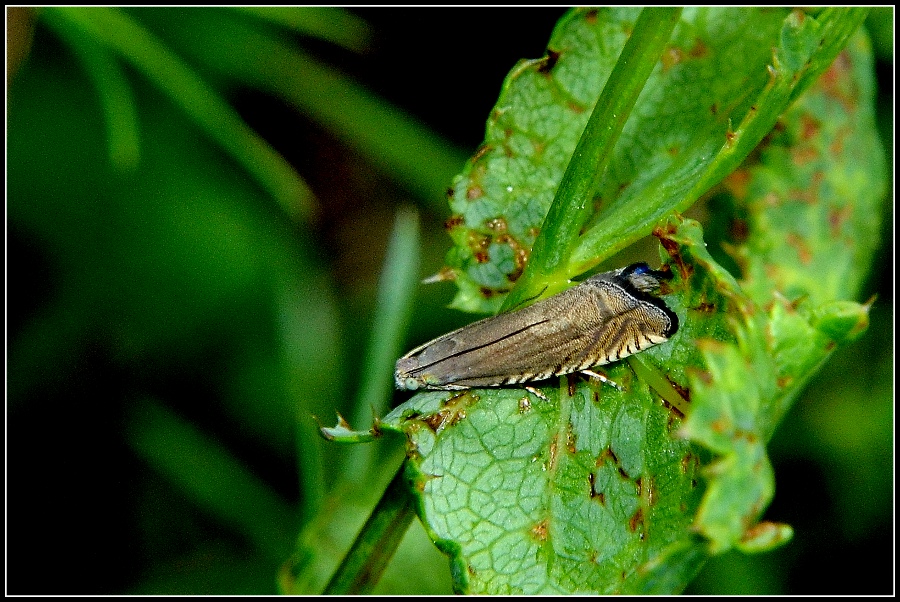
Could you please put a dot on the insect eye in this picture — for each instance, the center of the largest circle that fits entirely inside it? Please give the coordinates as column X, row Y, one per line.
column 642, row 272
column 642, row 278
column 636, row 269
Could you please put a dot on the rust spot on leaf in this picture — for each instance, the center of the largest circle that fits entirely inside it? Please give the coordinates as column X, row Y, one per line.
column 799, row 244
column 636, row 521
column 488, row 293
column 549, row 62
column 737, row 182
column 552, row 462
column 651, row 492
column 497, row 224
column 748, row 436
column 662, row 231
column 720, row 425
column 802, row 154
column 809, row 127
column 454, row 221
column 683, row 391
column 837, row 82
column 837, row 218
column 539, row 531
column 450, row 193
column 730, row 137
column 451, row 413
column 483, row 150
column 524, row 405
column 607, row 453
column 445, row 274
column 672, row 248
column 705, row 307
column 674, row 413
column 794, row 305
column 520, row 255
column 570, row 440
column 837, row 145
column 762, row 530
column 671, row 56
column 739, row 230
column 699, row 50
column 596, row 495
column 784, row 381
column 704, row 376
column 668, row 244
column 474, row 193
column 436, row 421
column 478, row 243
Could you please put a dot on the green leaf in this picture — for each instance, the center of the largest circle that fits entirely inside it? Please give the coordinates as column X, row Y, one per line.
column 569, row 212
column 809, row 209
column 810, row 199
column 210, row 476
column 582, row 493
column 396, row 291
column 116, row 98
column 126, row 37
column 601, row 491
column 330, row 24
column 390, row 139
column 717, row 92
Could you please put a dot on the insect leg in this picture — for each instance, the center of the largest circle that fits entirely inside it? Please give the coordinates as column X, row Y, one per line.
column 536, row 393
column 602, row 378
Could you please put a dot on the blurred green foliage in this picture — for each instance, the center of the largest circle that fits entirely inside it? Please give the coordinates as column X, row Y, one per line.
column 181, row 303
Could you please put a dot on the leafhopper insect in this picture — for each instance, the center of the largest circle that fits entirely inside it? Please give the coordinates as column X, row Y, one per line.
column 607, row 317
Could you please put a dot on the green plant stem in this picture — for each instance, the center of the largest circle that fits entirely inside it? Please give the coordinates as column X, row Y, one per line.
column 396, row 292
column 114, row 94
column 573, row 203
column 659, row 383
column 376, row 543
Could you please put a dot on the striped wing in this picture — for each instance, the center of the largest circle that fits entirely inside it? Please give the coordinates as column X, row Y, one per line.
column 594, row 323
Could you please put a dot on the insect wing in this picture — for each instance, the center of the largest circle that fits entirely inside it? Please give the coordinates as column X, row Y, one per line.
column 489, row 352
column 604, row 319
